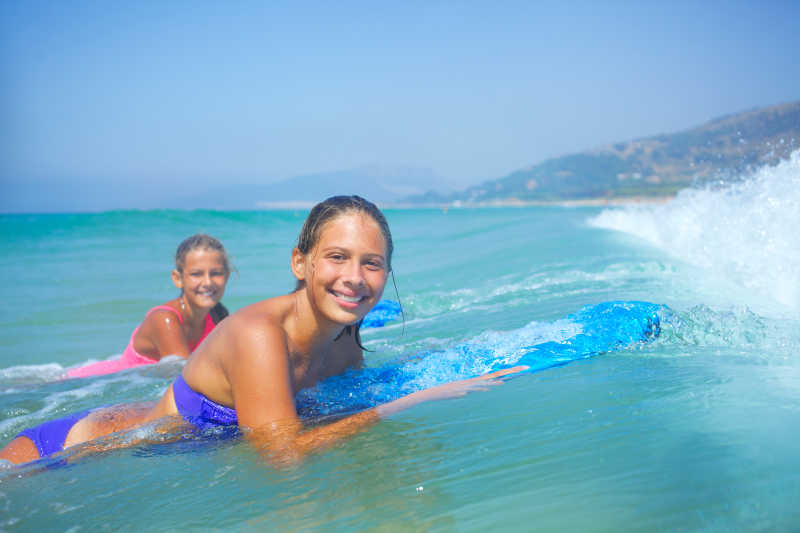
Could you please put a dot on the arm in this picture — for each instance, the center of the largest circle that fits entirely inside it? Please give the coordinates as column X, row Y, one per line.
column 264, row 400
column 325, row 436
column 162, row 330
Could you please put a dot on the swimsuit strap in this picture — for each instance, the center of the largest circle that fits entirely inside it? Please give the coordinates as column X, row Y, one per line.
column 206, row 330
column 210, row 324
column 166, row 308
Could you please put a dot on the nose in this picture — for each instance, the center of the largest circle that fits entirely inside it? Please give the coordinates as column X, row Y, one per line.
column 353, row 275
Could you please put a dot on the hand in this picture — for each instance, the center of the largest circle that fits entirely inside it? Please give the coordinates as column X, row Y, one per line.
column 448, row 390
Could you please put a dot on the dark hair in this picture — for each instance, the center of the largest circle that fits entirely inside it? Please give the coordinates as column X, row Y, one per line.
column 218, row 313
column 334, row 207
column 328, row 210
column 200, row 241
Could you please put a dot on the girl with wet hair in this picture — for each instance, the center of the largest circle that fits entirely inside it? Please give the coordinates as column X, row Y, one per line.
column 178, row 326
column 250, row 368
column 329, row 209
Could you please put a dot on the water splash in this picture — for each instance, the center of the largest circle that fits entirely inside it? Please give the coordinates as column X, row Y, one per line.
column 30, row 375
column 592, row 330
column 744, row 232
column 737, row 327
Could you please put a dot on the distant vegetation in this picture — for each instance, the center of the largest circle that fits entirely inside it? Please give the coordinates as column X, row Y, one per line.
column 727, row 147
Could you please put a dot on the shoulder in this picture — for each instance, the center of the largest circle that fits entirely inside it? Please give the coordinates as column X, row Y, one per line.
column 163, row 313
column 162, row 318
column 247, row 347
column 265, row 315
column 256, row 331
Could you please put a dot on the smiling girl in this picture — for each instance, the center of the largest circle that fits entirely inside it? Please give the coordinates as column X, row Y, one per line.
column 178, row 326
column 251, row 367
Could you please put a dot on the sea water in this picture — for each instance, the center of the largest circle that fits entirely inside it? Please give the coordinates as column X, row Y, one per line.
column 697, row 429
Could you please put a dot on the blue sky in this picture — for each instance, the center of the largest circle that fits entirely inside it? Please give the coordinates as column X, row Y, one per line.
column 155, row 98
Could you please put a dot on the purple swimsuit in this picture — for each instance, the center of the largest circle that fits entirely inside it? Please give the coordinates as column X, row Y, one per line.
column 199, row 410
column 195, row 408
column 49, row 437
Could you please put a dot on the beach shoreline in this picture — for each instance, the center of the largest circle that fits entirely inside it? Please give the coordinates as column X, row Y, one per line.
column 511, row 202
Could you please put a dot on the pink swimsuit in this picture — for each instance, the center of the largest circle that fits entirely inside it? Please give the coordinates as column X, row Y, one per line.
column 130, row 357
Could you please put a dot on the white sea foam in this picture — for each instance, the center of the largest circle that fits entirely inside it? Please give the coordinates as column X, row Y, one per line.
column 67, row 396
column 31, row 373
column 745, row 232
column 505, row 293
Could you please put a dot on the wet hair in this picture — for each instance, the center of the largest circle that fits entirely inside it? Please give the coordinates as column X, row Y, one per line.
column 330, row 209
column 218, row 313
column 334, row 207
column 200, row 241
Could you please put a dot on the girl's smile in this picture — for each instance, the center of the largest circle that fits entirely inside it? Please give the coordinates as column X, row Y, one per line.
column 203, row 278
column 347, row 269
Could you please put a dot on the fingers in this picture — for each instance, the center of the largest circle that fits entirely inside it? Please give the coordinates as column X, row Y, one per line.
column 478, row 386
column 501, row 373
column 460, row 388
column 513, row 370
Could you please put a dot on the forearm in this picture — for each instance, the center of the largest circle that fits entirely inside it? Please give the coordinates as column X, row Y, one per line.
column 322, row 437
column 290, row 443
column 326, row 435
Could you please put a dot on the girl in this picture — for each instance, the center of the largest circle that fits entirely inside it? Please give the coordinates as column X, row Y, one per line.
column 250, row 368
column 180, row 325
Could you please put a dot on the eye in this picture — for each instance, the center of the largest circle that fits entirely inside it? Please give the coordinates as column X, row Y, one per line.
column 337, row 257
column 374, row 264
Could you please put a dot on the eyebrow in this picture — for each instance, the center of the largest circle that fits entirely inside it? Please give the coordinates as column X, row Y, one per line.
column 343, row 249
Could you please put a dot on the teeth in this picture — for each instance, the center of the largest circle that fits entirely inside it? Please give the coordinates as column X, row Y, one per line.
column 351, row 299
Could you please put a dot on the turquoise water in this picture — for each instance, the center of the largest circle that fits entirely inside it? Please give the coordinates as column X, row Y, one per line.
column 696, row 430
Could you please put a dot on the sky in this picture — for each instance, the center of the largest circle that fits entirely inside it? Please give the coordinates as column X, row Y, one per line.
column 129, row 102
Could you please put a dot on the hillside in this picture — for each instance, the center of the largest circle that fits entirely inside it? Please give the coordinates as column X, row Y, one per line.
column 657, row 166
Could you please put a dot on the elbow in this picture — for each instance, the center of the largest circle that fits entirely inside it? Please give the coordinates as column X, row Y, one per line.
column 280, row 447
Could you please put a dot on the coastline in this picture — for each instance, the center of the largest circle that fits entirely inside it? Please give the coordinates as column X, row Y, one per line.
column 513, row 202
column 510, row 202
column 304, row 206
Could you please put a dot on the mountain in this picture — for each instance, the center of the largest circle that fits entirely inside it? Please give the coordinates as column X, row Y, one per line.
column 381, row 185
column 658, row 166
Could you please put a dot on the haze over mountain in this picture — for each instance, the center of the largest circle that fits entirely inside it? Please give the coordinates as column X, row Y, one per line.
column 658, row 166
column 383, row 185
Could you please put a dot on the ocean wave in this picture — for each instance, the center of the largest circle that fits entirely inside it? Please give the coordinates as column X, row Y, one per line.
column 30, row 374
column 743, row 232
column 736, row 327
column 544, row 281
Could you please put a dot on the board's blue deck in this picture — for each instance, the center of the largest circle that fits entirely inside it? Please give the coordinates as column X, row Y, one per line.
column 383, row 312
column 596, row 329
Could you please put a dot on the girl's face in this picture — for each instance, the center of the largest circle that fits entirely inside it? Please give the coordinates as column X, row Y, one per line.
column 203, row 278
column 346, row 271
